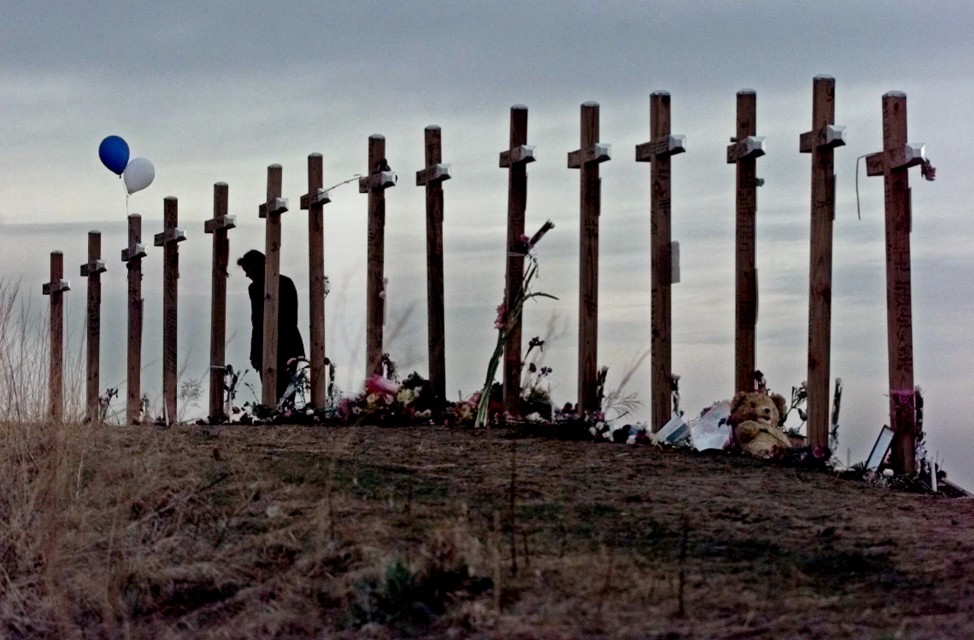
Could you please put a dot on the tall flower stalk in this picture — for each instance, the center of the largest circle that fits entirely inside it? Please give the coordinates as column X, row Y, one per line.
column 508, row 318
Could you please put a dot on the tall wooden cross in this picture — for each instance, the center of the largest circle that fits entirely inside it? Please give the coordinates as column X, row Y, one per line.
column 56, row 288
column 314, row 203
column 219, row 225
column 271, row 212
column 744, row 151
column 661, row 147
column 821, row 142
column 93, row 270
column 432, row 178
column 132, row 256
column 169, row 239
column 587, row 159
column 515, row 160
column 893, row 163
column 379, row 178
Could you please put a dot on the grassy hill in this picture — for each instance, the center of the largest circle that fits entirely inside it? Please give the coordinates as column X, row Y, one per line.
column 297, row 532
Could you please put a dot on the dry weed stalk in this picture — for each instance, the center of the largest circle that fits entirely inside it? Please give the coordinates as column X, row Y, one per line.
column 682, row 566
column 496, row 553
column 513, row 507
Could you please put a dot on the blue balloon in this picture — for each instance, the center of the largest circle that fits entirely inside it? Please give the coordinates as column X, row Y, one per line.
column 114, row 154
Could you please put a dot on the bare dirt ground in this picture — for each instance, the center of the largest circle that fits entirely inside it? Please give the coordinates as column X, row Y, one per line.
column 297, row 532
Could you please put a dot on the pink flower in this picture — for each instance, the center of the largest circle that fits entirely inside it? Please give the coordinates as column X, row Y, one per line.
column 501, row 320
column 379, row 385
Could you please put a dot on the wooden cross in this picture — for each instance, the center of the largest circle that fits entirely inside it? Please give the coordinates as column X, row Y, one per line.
column 93, row 270
column 658, row 151
column 744, row 151
column 271, row 212
column 587, row 158
column 169, row 240
column 314, row 202
column 219, row 225
column 132, row 255
column 821, row 142
column 432, row 178
column 379, row 178
column 56, row 288
column 515, row 159
column 893, row 163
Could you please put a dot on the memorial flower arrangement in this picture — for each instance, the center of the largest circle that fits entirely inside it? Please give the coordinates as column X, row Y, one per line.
column 387, row 402
column 508, row 318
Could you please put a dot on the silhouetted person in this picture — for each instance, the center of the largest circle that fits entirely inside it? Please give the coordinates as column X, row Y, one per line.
column 289, row 343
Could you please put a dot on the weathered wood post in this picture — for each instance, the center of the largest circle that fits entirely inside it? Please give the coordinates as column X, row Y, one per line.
column 314, row 202
column 515, row 160
column 587, row 159
column 379, row 178
column 893, row 163
column 93, row 270
column 56, row 288
column 169, row 239
column 271, row 212
column 821, row 142
column 219, row 225
column 744, row 151
column 663, row 254
column 132, row 256
column 432, row 178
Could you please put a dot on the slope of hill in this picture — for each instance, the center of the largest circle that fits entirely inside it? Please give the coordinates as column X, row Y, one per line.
column 281, row 532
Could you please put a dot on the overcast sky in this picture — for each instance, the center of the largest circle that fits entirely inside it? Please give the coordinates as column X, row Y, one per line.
column 217, row 91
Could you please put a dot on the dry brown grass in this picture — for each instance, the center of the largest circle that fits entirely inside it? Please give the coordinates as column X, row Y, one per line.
column 129, row 532
column 276, row 532
column 24, row 358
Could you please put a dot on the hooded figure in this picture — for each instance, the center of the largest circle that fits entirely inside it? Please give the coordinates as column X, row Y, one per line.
column 289, row 343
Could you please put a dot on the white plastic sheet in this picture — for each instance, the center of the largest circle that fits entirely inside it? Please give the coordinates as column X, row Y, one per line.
column 710, row 429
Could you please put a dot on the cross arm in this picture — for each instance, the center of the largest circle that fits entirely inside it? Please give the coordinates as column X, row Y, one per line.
column 219, row 222
column 319, row 196
column 665, row 146
column 433, row 174
column 598, row 152
column 830, row 136
column 56, row 286
column 133, row 252
column 274, row 206
column 377, row 181
column 521, row 154
column 93, row 267
column 169, row 235
column 749, row 147
column 909, row 155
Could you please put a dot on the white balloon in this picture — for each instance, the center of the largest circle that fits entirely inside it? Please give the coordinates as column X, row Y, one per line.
column 139, row 174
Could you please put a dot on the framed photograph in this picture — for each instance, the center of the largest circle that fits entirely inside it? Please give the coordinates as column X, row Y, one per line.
column 880, row 449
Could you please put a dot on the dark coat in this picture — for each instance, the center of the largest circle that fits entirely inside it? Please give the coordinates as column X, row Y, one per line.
column 289, row 342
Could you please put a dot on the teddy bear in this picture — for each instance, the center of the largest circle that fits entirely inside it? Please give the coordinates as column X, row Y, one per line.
column 756, row 421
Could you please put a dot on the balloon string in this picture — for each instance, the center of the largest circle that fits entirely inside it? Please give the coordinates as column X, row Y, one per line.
column 127, row 194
